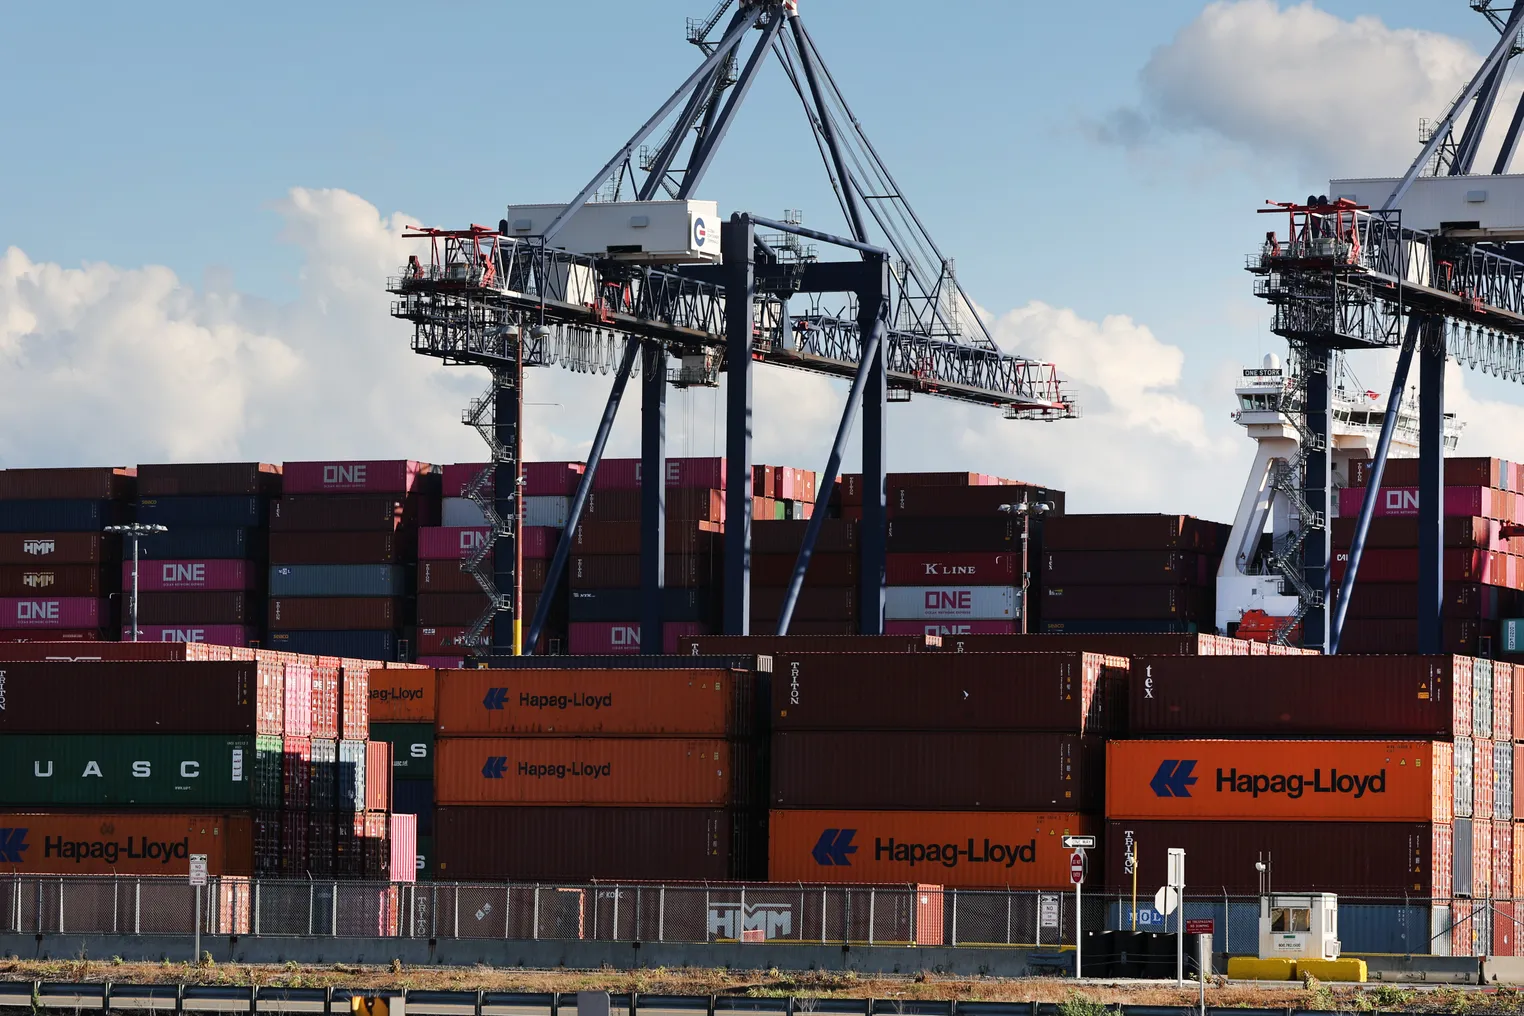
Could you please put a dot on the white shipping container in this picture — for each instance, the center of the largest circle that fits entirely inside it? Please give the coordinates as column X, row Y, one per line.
column 538, row 511
column 462, row 511
column 975, row 603
column 651, row 232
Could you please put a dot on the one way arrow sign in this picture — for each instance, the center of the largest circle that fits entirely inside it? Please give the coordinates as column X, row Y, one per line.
column 495, row 766
column 496, row 698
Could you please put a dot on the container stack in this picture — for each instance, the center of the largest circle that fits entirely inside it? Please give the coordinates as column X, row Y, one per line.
column 1482, row 577
column 782, row 493
column 572, row 775
column 58, row 572
column 450, row 599
column 828, row 600
column 1130, row 573
column 1373, row 778
column 402, row 712
column 887, row 767
column 343, row 541
column 604, row 571
column 204, row 579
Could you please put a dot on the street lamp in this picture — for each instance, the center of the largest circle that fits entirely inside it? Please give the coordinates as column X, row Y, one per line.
column 1026, row 509
column 136, row 530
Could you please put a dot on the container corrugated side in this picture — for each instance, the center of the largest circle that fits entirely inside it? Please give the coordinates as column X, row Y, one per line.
column 142, row 698
column 372, row 476
column 208, row 479
column 403, row 695
column 335, row 613
column 412, row 748
column 89, row 483
column 125, row 843
column 61, row 516
column 116, row 770
column 198, row 512
column 337, row 580
column 54, row 548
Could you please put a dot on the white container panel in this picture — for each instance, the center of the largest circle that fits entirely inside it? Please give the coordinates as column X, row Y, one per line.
column 975, row 603
column 546, row 511
column 461, row 511
column 658, row 232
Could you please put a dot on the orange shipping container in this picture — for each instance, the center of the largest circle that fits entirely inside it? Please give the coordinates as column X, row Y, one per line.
column 1345, row 781
column 671, row 702
column 402, row 696
column 957, row 849
column 635, row 772
column 124, row 844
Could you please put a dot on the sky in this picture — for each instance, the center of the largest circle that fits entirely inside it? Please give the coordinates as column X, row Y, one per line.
column 202, row 203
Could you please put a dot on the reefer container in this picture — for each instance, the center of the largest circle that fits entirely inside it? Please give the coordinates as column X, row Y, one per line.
column 124, row 843
column 691, row 703
column 403, row 695
column 952, row 601
column 412, row 748
column 1367, row 781
column 141, row 698
column 1065, row 692
column 208, row 478
column 650, row 771
column 936, row 770
column 390, row 476
column 58, row 548
column 61, row 516
column 175, row 771
column 1382, row 859
column 953, row 848
column 203, row 512
column 58, row 580
column 1302, row 696
column 402, row 839
column 190, row 576
column 320, row 613
column 89, row 483
column 577, row 844
column 43, row 611
column 337, row 580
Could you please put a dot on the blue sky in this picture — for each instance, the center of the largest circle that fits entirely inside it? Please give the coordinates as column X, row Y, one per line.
column 170, row 133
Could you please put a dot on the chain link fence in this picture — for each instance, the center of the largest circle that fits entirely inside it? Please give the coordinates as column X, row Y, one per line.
column 695, row 913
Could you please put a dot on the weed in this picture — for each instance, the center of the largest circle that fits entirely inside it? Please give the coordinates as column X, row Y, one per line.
column 1083, row 1005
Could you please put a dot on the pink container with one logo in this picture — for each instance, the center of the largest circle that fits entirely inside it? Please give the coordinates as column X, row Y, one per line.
column 612, row 638
column 456, row 543
column 50, row 612
column 952, row 628
column 624, row 474
column 541, row 479
column 212, row 634
column 174, row 576
column 373, row 476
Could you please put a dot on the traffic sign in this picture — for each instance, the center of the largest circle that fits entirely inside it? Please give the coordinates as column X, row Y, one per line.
column 1166, row 900
column 1200, row 927
column 1047, row 910
column 198, row 869
column 1079, row 842
column 1077, row 867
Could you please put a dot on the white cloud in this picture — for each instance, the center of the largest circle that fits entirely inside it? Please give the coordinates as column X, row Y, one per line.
column 1336, row 97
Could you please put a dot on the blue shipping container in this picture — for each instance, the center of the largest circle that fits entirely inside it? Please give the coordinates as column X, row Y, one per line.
column 204, row 545
column 62, row 516
column 337, row 580
column 359, row 645
column 203, row 512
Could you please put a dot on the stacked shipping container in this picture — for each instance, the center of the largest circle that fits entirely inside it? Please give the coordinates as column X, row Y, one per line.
column 402, row 712
column 216, row 509
column 58, row 572
column 342, row 546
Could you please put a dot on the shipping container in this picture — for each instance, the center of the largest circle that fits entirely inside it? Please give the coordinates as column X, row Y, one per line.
column 1132, row 532
column 212, row 634
column 324, row 789
column 978, row 501
column 116, row 652
column 358, row 548
column 1502, row 781
column 353, row 756
column 60, row 580
column 655, row 771
column 453, row 610
column 191, row 576
column 622, row 604
column 578, row 844
column 974, row 569
column 622, row 571
column 836, row 536
column 1303, row 696
column 937, row 770
column 767, row 645
column 205, row 479
column 669, row 703
column 1400, row 636
column 919, row 535
column 622, row 638
column 1502, row 860
column 203, row 512
column 235, row 608
column 1464, row 471
column 125, row 843
column 318, row 613
column 43, row 611
column 298, row 681
column 89, row 483
column 203, row 544
column 351, row 513
column 402, row 696
column 62, row 516
column 391, row 476
column 56, row 635
column 416, row 797
column 378, row 776
column 53, row 548
column 1503, row 677
column 957, row 849
column 814, row 603
column 142, row 698
column 1098, row 603
column 369, row 645
column 682, row 538
column 823, row 570
column 1401, row 566
column 1401, row 533
column 354, row 699
column 1372, row 598
column 1061, row 692
column 951, row 600
column 948, row 629
column 1481, row 502
column 296, row 780
column 402, row 839
column 325, row 698
column 463, row 512
column 541, row 479
column 332, row 580
column 1367, row 781
column 1127, row 567
column 1370, row 859
column 624, row 474
column 115, row 770
column 412, row 747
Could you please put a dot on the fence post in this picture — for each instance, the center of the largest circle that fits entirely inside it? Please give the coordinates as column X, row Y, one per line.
column 708, row 909
column 1008, row 916
column 507, row 905
column 311, row 908
column 60, row 906
column 1227, row 923
column 741, row 918
column 824, row 912
column 955, row 918
column 457, row 910
column 333, row 929
column 661, row 914
column 872, row 912
column 614, row 932
column 256, row 908
column 536, row 911
column 434, row 912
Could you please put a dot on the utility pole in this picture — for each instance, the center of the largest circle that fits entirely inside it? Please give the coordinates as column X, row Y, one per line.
column 136, row 530
column 1026, row 509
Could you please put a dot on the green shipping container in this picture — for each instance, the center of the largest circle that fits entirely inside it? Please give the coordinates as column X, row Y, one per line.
column 412, row 748
column 146, row 770
column 425, row 859
column 1513, row 635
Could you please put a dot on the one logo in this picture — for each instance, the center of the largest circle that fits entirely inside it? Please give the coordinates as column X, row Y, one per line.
column 343, row 475
column 1401, row 500
column 495, row 766
column 38, row 579
column 1174, row 778
column 37, row 610
column 496, row 698
column 38, row 547
column 700, row 232
column 12, row 844
column 834, row 848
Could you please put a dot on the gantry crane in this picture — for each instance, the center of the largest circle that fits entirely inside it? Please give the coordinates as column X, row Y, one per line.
column 1432, row 264
column 586, row 285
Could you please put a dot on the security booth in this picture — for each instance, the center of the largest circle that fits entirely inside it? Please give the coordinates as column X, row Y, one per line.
column 1299, row 927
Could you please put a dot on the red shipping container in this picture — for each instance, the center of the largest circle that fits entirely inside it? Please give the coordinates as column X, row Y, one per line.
column 763, row 481
column 824, row 569
column 392, row 476
column 450, row 662
column 624, row 474
column 953, row 628
column 541, row 479
column 117, row 652
column 787, row 486
column 51, row 612
column 57, row 580
column 320, row 837
column 1460, row 564
column 603, row 638
column 335, row 613
column 325, row 700
column 191, row 576
column 208, row 479
column 1401, row 533
column 378, row 776
column 1502, row 860
column 51, row 635
column 90, row 483
column 456, row 543
column 688, row 538
column 96, row 697
column 1460, row 471
column 299, row 698
column 975, row 569
column 379, row 547
column 293, row 844
column 1385, row 636
column 1503, row 677
column 354, row 699
column 235, row 607
column 1483, row 778
column 296, row 774
column 1483, row 502
column 211, row 634
column 403, row 838
column 1504, row 929
column 59, row 548
column 1481, row 858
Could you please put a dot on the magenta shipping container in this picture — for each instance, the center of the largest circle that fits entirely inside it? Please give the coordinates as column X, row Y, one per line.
column 972, row 569
column 50, row 612
column 456, row 543
column 387, row 476
column 204, row 576
column 624, row 474
column 952, row 628
column 1401, row 501
column 541, row 479
column 211, row 634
